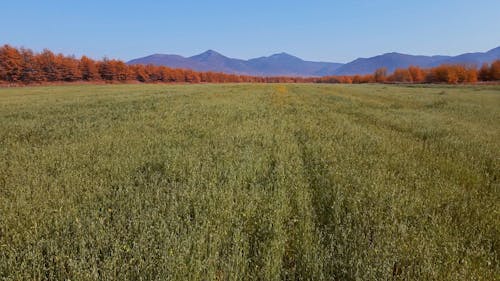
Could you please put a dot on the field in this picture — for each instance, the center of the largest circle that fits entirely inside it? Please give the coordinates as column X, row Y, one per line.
column 250, row 182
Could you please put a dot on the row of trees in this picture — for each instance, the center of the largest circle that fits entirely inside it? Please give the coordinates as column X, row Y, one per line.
column 446, row 73
column 24, row 66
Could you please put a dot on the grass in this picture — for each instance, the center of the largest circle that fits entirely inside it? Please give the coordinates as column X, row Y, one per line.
column 250, row 182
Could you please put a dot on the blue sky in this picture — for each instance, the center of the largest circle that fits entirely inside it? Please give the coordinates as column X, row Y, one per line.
column 315, row 30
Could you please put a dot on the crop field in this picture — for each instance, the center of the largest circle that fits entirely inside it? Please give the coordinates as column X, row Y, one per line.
column 250, row 182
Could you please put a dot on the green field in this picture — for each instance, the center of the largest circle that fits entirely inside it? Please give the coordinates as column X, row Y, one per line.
column 250, row 182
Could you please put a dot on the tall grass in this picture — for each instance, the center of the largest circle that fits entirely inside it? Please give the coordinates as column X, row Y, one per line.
column 250, row 182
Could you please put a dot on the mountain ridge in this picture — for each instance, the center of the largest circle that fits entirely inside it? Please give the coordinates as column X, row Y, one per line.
column 284, row 64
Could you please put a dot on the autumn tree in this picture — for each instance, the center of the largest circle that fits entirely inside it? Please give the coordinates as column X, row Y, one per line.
column 154, row 73
column 178, row 75
column 495, row 71
column 11, row 63
column 88, row 69
column 167, row 74
column 191, row 76
column 441, row 74
column 122, row 72
column 401, row 75
column 68, row 69
column 31, row 70
column 48, row 65
column 106, row 71
column 471, row 75
column 484, row 72
column 417, row 74
column 380, row 75
column 139, row 72
column 450, row 76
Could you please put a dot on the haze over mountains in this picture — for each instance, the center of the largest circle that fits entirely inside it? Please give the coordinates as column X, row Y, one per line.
column 284, row 64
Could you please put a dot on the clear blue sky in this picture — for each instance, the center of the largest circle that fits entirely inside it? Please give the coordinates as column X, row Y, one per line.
column 315, row 30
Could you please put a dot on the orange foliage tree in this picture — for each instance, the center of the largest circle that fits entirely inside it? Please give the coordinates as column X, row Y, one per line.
column 380, row 75
column 495, row 71
column 31, row 70
column 88, row 69
column 11, row 64
column 401, row 75
column 417, row 74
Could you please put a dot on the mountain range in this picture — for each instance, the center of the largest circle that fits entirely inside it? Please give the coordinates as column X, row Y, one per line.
column 284, row 64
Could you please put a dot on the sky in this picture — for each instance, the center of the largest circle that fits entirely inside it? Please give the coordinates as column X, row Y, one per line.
column 335, row 31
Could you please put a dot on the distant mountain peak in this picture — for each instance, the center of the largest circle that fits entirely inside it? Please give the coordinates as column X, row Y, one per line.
column 282, row 54
column 211, row 52
column 393, row 54
column 282, row 57
column 208, row 54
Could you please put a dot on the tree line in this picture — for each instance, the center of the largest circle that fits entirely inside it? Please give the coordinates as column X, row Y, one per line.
column 446, row 73
column 23, row 66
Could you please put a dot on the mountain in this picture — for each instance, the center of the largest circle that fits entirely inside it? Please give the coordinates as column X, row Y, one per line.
column 390, row 60
column 173, row 61
column 476, row 58
column 396, row 60
column 284, row 64
column 213, row 61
